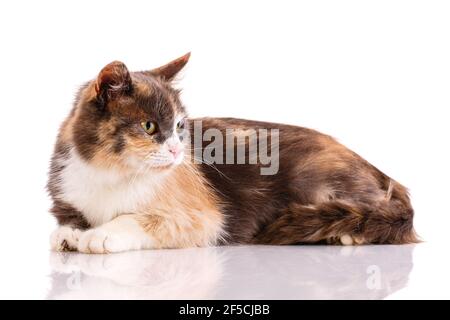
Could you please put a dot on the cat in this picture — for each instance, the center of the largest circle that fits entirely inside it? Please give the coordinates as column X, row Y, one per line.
column 126, row 175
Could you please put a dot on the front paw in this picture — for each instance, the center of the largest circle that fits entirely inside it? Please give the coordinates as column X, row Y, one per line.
column 103, row 241
column 64, row 239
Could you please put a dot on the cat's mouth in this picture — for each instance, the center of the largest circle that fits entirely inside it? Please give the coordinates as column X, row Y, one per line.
column 166, row 162
column 163, row 165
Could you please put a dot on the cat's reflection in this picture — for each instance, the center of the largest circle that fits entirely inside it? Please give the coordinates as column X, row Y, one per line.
column 258, row 272
column 154, row 274
column 318, row 272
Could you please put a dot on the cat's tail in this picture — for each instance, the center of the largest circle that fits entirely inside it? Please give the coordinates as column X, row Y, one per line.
column 387, row 221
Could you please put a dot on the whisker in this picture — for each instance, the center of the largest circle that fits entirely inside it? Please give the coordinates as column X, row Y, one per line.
column 210, row 164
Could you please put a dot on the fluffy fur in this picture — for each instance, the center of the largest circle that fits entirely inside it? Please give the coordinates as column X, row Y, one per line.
column 115, row 187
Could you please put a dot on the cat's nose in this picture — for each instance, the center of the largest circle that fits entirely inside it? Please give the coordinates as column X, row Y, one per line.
column 175, row 150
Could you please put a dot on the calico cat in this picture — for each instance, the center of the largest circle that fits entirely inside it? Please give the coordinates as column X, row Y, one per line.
column 126, row 174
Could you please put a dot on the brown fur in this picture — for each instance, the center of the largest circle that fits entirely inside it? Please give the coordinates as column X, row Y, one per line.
column 321, row 192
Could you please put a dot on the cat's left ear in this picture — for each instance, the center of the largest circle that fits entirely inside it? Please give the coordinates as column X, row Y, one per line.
column 171, row 69
column 112, row 81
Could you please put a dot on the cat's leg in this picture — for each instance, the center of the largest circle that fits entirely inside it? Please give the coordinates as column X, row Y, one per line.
column 341, row 222
column 333, row 222
column 123, row 233
column 65, row 238
column 71, row 224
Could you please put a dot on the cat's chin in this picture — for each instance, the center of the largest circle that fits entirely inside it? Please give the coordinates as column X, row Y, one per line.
column 139, row 165
column 168, row 165
column 164, row 166
column 155, row 169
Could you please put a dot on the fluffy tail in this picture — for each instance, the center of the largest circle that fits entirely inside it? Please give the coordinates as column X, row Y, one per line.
column 387, row 221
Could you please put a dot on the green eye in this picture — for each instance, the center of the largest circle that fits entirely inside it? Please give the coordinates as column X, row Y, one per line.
column 149, row 127
column 180, row 124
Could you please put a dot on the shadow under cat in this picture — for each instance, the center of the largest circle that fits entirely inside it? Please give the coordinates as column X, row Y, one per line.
column 243, row 272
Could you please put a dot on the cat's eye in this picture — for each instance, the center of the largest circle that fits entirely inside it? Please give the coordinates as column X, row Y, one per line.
column 149, row 127
column 180, row 124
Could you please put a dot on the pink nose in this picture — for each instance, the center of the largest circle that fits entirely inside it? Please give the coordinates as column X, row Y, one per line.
column 175, row 150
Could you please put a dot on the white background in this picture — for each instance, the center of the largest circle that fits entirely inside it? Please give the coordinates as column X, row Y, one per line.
column 374, row 74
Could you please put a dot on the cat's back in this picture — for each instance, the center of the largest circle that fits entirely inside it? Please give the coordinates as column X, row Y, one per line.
column 292, row 142
column 311, row 167
column 223, row 123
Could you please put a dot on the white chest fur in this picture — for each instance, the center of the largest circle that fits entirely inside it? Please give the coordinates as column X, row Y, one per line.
column 101, row 194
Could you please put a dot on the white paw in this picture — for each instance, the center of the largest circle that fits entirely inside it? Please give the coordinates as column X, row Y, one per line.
column 101, row 240
column 346, row 240
column 64, row 239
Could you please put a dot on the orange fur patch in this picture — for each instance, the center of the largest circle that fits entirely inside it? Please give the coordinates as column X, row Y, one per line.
column 185, row 212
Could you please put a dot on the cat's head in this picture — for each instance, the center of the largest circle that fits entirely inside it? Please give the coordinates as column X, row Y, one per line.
column 132, row 120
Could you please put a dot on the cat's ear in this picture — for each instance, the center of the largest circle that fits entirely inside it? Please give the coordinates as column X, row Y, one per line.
column 112, row 81
column 171, row 69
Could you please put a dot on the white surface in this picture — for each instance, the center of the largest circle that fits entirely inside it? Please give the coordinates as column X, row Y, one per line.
column 373, row 74
column 307, row 272
column 258, row 272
